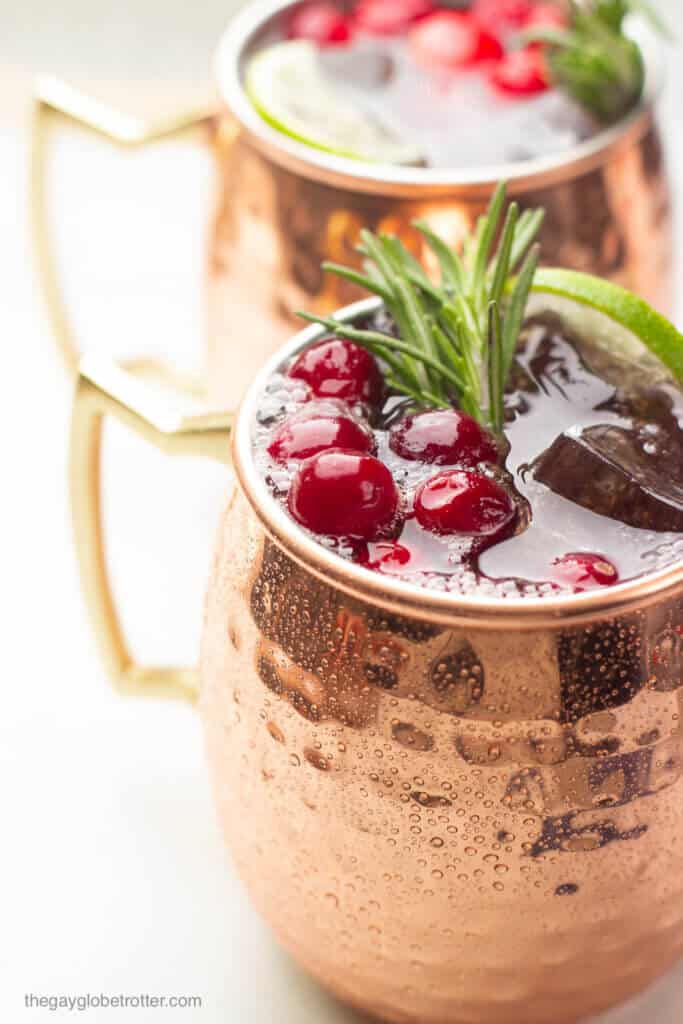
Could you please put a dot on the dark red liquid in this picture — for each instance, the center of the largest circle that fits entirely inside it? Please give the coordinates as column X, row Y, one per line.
column 593, row 474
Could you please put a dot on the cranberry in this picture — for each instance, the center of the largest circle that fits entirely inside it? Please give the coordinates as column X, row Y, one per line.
column 344, row 494
column 336, row 368
column 322, row 23
column 445, row 437
column 521, row 72
column 390, row 17
column 451, row 39
column 490, row 47
column 465, row 502
column 585, row 571
column 497, row 14
column 319, row 426
column 388, row 556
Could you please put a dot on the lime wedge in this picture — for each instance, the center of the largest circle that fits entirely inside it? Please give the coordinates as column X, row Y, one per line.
column 596, row 304
column 287, row 87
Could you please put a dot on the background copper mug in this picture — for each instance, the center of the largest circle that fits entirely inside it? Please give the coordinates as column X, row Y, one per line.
column 450, row 811
column 283, row 207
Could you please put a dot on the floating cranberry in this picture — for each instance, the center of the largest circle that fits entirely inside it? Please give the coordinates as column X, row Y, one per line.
column 502, row 14
column 344, row 494
column 490, row 47
column 336, row 368
column 465, row 502
column 444, row 437
column 388, row 556
column 322, row 23
column 317, row 427
column 585, row 571
column 390, row 17
column 521, row 73
column 452, row 39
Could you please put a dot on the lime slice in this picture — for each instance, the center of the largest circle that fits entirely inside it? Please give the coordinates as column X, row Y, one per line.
column 287, row 86
column 598, row 305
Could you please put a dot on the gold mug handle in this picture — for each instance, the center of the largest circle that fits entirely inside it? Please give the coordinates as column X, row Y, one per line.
column 55, row 98
column 105, row 389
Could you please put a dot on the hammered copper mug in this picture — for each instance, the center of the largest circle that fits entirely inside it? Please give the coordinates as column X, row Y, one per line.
column 449, row 810
column 283, row 207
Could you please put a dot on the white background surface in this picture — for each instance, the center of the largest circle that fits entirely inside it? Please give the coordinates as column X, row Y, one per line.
column 112, row 873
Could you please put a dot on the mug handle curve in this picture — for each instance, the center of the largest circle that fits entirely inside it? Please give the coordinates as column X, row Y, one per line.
column 55, row 99
column 103, row 389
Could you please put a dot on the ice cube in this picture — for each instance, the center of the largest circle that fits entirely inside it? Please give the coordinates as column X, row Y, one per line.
column 364, row 67
column 627, row 474
column 548, row 124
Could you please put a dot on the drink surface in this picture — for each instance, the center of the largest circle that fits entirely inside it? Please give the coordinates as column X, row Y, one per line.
column 453, row 119
column 429, row 86
column 584, row 490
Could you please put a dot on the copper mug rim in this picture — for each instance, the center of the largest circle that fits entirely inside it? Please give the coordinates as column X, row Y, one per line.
column 356, row 175
column 399, row 596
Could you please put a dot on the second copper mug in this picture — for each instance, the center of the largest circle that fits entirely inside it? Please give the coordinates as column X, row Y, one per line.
column 283, row 207
column 449, row 810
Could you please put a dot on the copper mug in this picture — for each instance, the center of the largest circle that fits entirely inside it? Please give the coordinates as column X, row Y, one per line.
column 449, row 810
column 283, row 207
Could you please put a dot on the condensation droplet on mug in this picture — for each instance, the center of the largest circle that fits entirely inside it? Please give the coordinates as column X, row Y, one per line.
column 316, row 759
column 411, row 737
column 276, row 732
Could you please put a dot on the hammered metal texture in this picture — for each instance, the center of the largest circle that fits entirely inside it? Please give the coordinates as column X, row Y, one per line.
column 274, row 226
column 446, row 826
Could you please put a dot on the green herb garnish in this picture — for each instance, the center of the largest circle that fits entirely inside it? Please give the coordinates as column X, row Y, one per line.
column 457, row 338
column 593, row 60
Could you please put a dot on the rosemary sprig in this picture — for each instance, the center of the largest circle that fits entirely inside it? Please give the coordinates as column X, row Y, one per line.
column 457, row 337
column 593, row 60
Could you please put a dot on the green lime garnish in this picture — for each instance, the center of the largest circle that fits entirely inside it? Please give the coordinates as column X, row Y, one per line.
column 288, row 88
column 624, row 309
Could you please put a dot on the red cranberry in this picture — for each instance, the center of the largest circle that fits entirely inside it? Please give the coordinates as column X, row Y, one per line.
column 388, row 556
column 317, row 427
column 322, row 23
column 521, row 73
column 465, row 502
column 497, row 14
column 490, row 47
column 444, row 437
column 451, row 39
column 390, row 17
column 344, row 494
column 585, row 571
column 336, row 368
